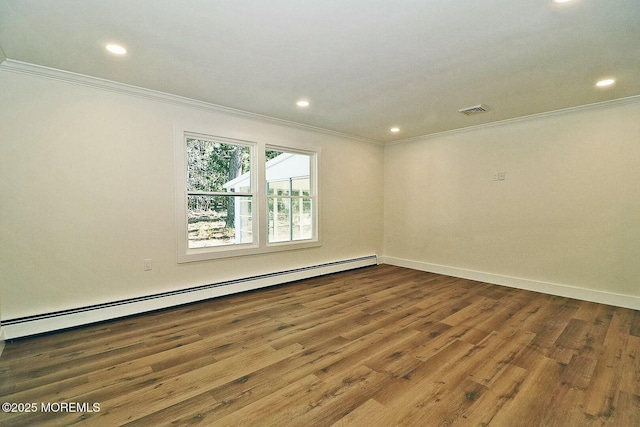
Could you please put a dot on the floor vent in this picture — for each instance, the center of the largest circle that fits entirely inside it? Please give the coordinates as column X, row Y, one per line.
column 476, row 109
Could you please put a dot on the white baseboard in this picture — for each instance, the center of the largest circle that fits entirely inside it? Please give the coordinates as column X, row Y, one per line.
column 47, row 322
column 602, row 297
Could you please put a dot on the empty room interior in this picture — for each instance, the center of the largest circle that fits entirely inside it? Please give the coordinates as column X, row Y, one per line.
column 329, row 213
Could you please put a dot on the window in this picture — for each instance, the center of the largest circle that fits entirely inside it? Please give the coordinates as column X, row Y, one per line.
column 239, row 198
column 218, row 213
column 289, row 196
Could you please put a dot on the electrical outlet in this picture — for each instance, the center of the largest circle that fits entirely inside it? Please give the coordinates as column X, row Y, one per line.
column 147, row 265
column 499, row 176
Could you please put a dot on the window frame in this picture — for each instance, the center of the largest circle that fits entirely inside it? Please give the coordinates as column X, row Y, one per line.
column 313, row 188
column 258, row 193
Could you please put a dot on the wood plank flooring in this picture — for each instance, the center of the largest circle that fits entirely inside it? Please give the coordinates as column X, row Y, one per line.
column 378, row 346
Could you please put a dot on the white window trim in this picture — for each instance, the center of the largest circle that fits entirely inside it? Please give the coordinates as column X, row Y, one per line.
column 259, row 203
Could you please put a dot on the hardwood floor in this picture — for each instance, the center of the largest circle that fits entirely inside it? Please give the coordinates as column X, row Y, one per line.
column 378, row 346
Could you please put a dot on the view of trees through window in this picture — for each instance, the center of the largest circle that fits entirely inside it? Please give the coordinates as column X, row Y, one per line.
column 219, row 193
column 211, row 205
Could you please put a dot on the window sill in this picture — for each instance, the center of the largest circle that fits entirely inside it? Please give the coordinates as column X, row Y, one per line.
column 204, row 254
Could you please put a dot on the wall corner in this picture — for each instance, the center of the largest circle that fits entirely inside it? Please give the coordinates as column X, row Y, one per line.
column 1, row 330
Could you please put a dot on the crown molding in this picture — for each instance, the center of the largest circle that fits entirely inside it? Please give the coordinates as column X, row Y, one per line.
column 595, row 106
column 20, row 67
column 12, row 65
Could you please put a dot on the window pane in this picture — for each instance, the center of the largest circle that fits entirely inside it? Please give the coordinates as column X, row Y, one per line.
column 288, row 173
column 278, row 188
column 301, row 219
column 218, row 221
column 270, row 154
column 289, row 196
column 301, row 186
column 279, row 219
column 217, row 166
column 289, row 219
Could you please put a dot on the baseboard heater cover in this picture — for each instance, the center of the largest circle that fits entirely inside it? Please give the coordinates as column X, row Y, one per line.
column 47, row 322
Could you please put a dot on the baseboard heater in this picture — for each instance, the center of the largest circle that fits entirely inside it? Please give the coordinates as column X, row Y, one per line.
column 41, row 323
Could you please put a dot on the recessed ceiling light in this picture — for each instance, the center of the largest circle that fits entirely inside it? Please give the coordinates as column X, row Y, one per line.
column 560, row 1
column 605, row 82
column 116, row 49
column 395, row 130
column 302, row 103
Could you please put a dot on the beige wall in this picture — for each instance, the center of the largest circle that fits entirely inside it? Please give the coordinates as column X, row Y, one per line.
column 568, row 212
column 87, row 193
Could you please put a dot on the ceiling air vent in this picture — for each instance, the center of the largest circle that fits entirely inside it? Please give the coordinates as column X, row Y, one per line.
column 476, row 109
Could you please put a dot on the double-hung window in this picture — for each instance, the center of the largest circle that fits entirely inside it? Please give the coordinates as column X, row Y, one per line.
column 239, row 198
column 218, row 214
column 290, row 200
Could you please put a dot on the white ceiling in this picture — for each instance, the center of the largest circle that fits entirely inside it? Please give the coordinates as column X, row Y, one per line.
column 364, row 65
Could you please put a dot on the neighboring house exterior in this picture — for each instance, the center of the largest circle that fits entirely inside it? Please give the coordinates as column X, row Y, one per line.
column 289, row 205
